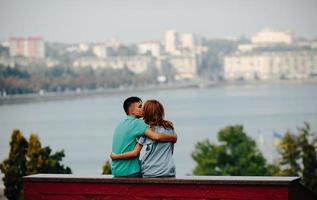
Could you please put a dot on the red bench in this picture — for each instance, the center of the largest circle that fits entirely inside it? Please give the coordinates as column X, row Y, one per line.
column 71, row 187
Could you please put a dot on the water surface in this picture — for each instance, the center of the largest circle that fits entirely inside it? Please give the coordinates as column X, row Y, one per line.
column 84, row 127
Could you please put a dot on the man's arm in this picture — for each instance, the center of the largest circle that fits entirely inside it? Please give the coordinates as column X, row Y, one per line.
column 131, row 154
column 160, row 136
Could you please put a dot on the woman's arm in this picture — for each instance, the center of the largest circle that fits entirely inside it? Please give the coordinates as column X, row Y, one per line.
column 131, row 154
column 160, row 137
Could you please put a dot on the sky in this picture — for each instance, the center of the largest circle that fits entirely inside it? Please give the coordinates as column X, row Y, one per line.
column 132, row 21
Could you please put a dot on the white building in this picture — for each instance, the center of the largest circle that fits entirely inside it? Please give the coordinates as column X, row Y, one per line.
column 83, row 47
column 270, row 65
column 187, row 41
column 269, row 36
column 171, row 41
column 136, row 64
column 246, row 47
column 100, row 50
column 314, row 45
column 153, row 47
column 5, row 44
column 185, row 65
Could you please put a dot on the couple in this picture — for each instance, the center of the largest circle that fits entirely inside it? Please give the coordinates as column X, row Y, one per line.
column 155, row 133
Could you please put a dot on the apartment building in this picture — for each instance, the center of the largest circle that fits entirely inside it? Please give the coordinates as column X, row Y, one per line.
column 31, row 47
column 270, row 65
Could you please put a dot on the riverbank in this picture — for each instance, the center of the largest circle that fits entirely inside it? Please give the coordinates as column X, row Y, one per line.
column 271, row 82
column 55, row 96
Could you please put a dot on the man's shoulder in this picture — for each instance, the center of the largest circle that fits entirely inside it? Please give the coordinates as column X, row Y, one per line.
column 129, row 120
column 132, row 123
column 136, row 121
column 121, row 123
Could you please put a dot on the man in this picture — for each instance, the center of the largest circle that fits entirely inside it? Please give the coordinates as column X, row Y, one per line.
column 125, row 138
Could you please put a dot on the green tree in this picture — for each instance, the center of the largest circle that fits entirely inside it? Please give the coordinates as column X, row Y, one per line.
column 6, row 72
column 4, row 51
column 41, row 161
column 309, row 157
column 212, row 60
column 128, row 50
column 299, row 156
column 14, row 167
column 236, row 154
column 290, row 153
column 106, row 169
column 27, row 158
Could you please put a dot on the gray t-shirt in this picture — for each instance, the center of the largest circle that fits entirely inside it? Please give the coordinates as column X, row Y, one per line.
column 158, row 158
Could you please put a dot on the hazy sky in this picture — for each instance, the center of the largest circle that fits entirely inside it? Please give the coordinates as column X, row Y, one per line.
column 137, row 20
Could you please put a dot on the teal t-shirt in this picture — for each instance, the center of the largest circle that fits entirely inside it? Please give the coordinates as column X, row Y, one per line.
column 124, row 140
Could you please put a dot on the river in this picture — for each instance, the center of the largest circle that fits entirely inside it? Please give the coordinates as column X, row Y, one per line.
column 83, row 127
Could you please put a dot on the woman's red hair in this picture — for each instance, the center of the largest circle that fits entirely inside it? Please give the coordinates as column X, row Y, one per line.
column 154, row 114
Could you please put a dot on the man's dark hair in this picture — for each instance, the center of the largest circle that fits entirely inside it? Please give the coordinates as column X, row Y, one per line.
column 127, row 103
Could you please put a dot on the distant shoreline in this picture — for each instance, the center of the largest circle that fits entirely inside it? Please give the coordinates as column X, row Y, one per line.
column 271, row 82
column 56, row 96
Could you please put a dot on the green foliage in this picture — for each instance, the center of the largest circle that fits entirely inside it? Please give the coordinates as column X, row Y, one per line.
column 14, row 167
column 236, row 155
column 57, row 71
column 6, row 72
column 299, row 156
column 27, row 158
column 290, row 154
column 14, row 80
column 221, row 46
column 212, row 60
column 4, row 51
column 127, row 50
column 62, row 78
column 106, row 169
column 41, row 160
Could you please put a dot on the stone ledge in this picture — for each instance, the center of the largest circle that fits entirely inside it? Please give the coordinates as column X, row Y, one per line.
column 196, row 180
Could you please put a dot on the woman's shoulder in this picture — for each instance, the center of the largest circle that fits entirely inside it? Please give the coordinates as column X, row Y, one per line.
column 162, row 129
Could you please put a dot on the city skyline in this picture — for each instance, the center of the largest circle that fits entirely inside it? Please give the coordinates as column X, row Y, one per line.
column 130, row 22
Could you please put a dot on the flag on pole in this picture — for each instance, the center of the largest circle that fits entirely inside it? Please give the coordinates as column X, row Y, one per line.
column 277, row 138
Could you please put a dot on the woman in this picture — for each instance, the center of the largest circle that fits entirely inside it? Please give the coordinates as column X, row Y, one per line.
column 158, row 158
